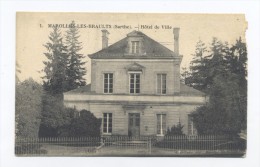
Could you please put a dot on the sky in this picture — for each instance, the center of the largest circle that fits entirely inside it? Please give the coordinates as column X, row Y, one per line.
column 33, row 29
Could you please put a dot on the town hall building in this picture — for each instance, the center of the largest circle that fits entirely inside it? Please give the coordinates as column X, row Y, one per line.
column 135, row 88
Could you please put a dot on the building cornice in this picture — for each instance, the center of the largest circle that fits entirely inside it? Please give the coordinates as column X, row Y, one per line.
column 140, row 99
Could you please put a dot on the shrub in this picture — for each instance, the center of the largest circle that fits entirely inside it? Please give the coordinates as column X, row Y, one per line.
column 55, row 116
column 85, row 125
column 175, row 130
column 59, row 121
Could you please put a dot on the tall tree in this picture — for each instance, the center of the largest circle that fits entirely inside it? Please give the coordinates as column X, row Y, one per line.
column 28, row 106
column 54, row 84
column 221, row 115
column 197, row 76
column 63, row 72
column 214, row 62
column 237, row 63
column 185, row 75
column 226, row 86
column 76, row 70
column 56, row 64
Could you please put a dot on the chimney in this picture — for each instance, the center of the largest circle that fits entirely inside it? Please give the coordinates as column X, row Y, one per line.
column 176, row 76
column 105, row 34
column 176, row 39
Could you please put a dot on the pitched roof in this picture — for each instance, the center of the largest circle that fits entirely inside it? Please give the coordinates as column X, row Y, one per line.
column 184, row 90
column 152, row 49
column 82, row 89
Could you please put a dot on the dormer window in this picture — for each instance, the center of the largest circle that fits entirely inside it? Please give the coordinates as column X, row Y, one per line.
column 135, row 43
column 135, row 47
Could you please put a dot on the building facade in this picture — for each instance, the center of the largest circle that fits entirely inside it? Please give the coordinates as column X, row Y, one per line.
column 135, row 88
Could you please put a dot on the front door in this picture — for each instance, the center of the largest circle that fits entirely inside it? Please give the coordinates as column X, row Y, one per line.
column 134, row 125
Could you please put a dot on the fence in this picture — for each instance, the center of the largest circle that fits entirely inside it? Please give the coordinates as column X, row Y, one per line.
column 123, row 145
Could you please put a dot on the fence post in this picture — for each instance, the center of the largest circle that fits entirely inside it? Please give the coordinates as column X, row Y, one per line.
column 150, row 145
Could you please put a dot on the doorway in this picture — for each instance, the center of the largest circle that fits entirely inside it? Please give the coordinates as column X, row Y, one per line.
column 134, row 124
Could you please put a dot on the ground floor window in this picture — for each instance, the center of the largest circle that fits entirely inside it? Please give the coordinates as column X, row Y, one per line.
column 191, row 129
column 161, row 124
column 107, row 122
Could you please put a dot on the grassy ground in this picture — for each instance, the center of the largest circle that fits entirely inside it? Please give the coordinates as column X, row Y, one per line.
column 56, row 150
column 143, row 151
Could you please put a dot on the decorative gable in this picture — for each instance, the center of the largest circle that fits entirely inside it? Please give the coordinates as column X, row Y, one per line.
column 135, row 67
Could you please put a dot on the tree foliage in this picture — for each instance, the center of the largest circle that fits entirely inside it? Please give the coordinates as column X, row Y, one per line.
column 56, row 64
column 196, row 76
column 71, row 123
column 54, row 116
column 175, row 130
column 28, row 108
column 64, row 71
column 85, row 125
column 75, row 69
column 64, row 68
column 221, row 74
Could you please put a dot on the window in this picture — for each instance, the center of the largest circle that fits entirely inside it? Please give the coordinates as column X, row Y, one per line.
column 135, row 47
column 191, row 128
column 108, row 83
column 161, row 83
column 161, row 124
column 107, row 122
column 134, row 83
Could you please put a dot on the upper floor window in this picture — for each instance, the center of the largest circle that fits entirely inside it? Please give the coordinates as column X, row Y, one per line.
column 108, row 83
column 161, row 83
column 135, row 47
column 134, row 82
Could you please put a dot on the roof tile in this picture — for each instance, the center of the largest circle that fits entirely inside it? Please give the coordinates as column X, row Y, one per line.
column 152, row 49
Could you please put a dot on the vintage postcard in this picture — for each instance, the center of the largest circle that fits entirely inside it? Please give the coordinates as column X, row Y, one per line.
column 131, row 84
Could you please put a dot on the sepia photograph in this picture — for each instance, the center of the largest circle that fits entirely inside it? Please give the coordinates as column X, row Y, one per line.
column 130, row 84
column 106, row 84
